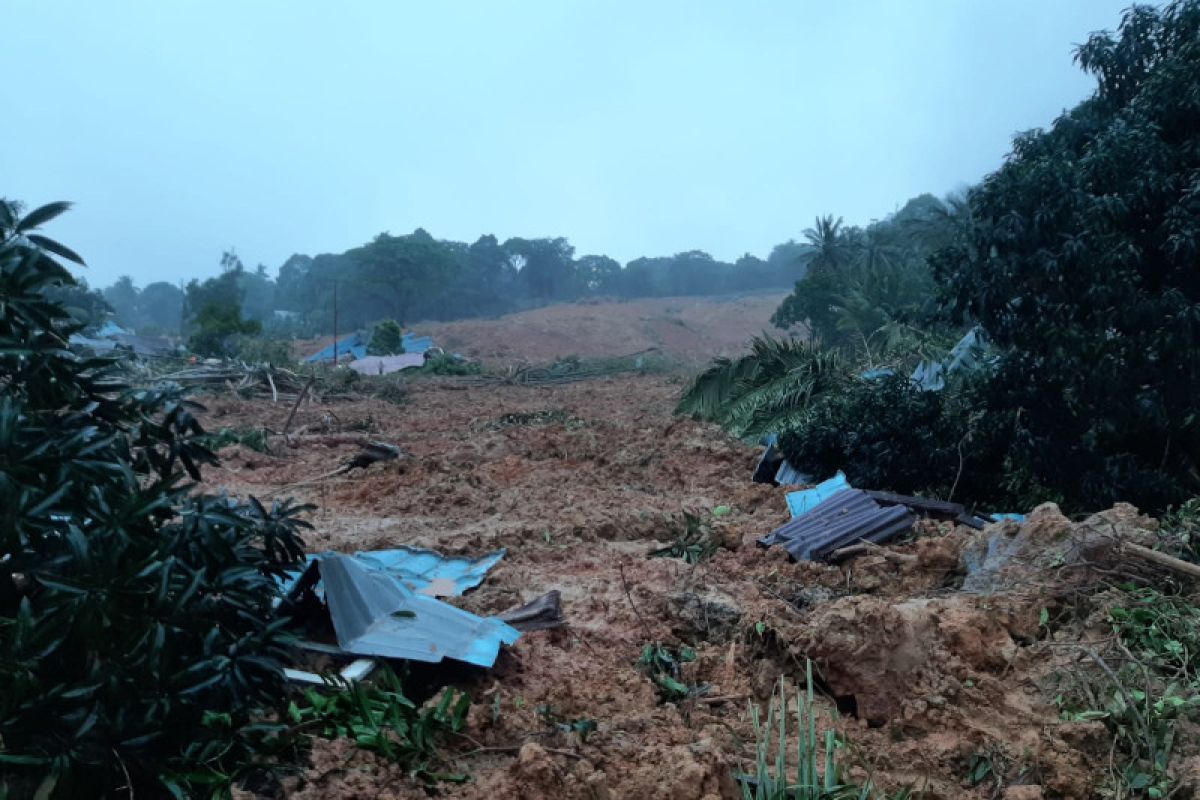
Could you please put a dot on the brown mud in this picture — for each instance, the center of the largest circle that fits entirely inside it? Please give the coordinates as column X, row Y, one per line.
column 918, row 675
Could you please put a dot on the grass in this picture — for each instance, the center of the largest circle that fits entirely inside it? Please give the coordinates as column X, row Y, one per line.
column 816, row 772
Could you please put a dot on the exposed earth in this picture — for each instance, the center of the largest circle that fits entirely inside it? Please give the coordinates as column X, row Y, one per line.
column 922, row 678
column 686, row 329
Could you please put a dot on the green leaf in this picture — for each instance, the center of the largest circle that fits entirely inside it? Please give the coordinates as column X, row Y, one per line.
column 40, row 216
column 51, row 246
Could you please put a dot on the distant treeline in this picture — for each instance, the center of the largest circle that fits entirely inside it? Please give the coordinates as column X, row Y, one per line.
column 415, row 277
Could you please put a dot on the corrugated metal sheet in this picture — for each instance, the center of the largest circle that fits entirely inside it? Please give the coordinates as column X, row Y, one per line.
column 424, row 571
column 386, row 365
column 416, row 344
column 790, row 476
column 352, row 345
column 847, row 517
column 802, row 502
column 927, row 507
column 374, row 614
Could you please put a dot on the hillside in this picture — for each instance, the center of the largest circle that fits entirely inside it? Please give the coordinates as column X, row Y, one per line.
column 691, row 329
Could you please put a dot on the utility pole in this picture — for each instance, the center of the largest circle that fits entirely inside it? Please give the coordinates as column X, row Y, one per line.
column 335, row 352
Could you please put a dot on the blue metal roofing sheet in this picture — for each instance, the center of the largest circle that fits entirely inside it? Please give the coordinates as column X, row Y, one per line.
column 354, row 344
column 420, row 569
column 803, row 501
column 374, row 614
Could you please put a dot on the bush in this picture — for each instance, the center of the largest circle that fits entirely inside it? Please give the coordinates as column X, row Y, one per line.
column 137, row 645
column 264, row 350
column 387, row 339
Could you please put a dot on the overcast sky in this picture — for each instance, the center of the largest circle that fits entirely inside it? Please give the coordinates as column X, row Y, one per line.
column 183, row 128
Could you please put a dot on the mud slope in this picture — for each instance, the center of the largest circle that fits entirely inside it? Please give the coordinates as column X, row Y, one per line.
column 692, row 329
column 927, row 676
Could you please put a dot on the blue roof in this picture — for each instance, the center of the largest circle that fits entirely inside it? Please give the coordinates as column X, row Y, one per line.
column 374, row 614
column 416, row 344
column 354, row 344
column 800, row 503
column 418, row 569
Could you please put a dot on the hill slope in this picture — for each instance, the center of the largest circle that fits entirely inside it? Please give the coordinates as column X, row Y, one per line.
column 691, row 329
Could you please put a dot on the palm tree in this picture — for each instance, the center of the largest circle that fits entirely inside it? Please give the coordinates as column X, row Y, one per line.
column 831, row 246
column 767, row 390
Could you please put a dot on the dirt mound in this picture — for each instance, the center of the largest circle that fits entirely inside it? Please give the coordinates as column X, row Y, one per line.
column 948, row 649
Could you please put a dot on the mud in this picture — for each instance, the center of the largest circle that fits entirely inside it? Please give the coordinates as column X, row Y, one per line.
column 917, row 673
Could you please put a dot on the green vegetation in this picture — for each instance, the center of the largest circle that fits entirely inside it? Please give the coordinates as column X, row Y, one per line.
column 213, row 312
column 138, row 651
column 443, row 364
column 664, row 666
column 378, row 717
column 1143, row 688
column 1076, row 262
column 387, row 339
column 693, row 541
column 253, row 438
column 816, row 773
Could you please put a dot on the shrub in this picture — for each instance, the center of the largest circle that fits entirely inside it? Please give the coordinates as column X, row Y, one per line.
column 264, row 350
column 137, row 645
column 387, row 339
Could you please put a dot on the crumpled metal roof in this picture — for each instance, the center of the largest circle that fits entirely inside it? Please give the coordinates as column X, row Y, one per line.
column 424, row 571
column 375, row 614
column 845, row 518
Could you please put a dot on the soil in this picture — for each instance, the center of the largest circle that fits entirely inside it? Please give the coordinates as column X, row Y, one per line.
column 685, row 329
column 918, row 675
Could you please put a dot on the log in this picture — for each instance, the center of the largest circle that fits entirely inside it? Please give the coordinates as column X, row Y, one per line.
column 1162, row 559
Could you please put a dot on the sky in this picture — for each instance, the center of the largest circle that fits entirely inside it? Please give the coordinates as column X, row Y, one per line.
column 184, row 128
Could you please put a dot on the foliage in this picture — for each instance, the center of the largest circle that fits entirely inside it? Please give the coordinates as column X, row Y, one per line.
column 213, row 313
column 378, row 717
column 693, row 541
column 1080, row 263
column 390, row 389
column 253, row 438
column 816, row 773
column 445, row 364
column 387, row 339
column 860, row 280
column 766, row 390
column 264, row 350
column 1182, row 527
column 552, row 416
column 132, row 608
column 1155, row 686
column 664, row 666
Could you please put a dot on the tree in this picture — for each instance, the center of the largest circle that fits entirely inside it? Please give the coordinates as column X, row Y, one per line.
column 122, row 297
column 387, row 339
column 137, row 644
column 213, row 313
column 547, row 271
column 1081, row 266
column 160, row 308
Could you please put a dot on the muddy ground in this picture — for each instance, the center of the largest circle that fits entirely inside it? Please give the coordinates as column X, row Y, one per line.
column 689, row 330
column 922, row 678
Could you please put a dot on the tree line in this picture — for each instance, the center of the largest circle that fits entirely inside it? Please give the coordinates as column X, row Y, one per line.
column 417, row 277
